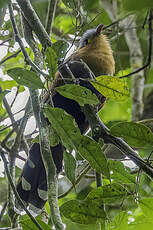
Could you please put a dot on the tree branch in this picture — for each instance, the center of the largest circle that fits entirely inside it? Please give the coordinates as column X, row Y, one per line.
column 14, row 189
column 83, row 173
column 150, row 29
column 11, row 56
column 34, row 22
column 18, row 39
column 50, row 15
column 101, row 131
column 44, row 138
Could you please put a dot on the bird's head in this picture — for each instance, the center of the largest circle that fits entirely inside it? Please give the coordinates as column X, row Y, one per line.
column 94, row 49
column 90, row 35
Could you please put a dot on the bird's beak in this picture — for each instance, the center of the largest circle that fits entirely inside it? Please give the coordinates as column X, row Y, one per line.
column 99, row 29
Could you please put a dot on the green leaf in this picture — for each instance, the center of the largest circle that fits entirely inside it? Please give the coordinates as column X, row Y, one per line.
column 111, row 87
column 60, row 48
column 148, row 123
column 65, row 126
column 69, row 166
column 108, row 194
column 26, row 77
column 27, row 223
column 54, row 138
column 92, row 152
column 120, row 222
column 146, row 205
column 141, row 222
column 78, row 93
column 120, row 173
column 36, row 139
column 51, row 61
column 75, row 226
column 3, row 132
column 136, row 135
column 9, row 84
column 2, row 112
column 17, row 62
column 83, row 212
column 63, row 22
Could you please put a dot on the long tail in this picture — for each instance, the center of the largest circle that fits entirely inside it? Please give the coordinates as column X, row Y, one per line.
column 32, row 184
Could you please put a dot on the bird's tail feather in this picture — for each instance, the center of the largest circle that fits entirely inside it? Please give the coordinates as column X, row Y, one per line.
column 32, row 184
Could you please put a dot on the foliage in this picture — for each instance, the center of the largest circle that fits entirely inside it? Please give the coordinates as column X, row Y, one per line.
column 122, row 202
column 78, row 93
column 112, row 87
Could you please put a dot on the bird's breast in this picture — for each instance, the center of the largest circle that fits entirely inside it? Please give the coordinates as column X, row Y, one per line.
column 100, row 63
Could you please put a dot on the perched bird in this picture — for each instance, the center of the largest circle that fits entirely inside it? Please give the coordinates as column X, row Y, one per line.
column 94, row 50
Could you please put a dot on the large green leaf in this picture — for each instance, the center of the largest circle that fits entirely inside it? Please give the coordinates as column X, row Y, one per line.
column 65, row 127
column 26, row 77
column 53, row 137
column 92, row 152
column 141, row 222
column 83, row 212
column 51, row 61
column 8, row 84
column 108, row 194
column 78, row 93
column 148, row 123
column 18, row 61
column 69, row 166
column 27, row 223
column 63, row 22
column 120, row 173
column 75, row 226
column 136, row 134
column 111, row 87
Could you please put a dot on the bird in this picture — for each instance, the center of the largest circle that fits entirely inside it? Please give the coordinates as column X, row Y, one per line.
column 94, row 53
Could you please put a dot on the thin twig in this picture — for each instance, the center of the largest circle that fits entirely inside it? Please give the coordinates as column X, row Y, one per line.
column 11, row 56
column 50, row 15
column 150, row 29
column 22, row 126
column 9, row 150
column 18, row 39
column 16, row 94
column 103, row 132
column 8, row 136
column 14, row 190
column 87, row 168
column 137, row 184
column 3, row 42
column 75, row 35
column 35, row 23
column 12, row 124
column 3, row 211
